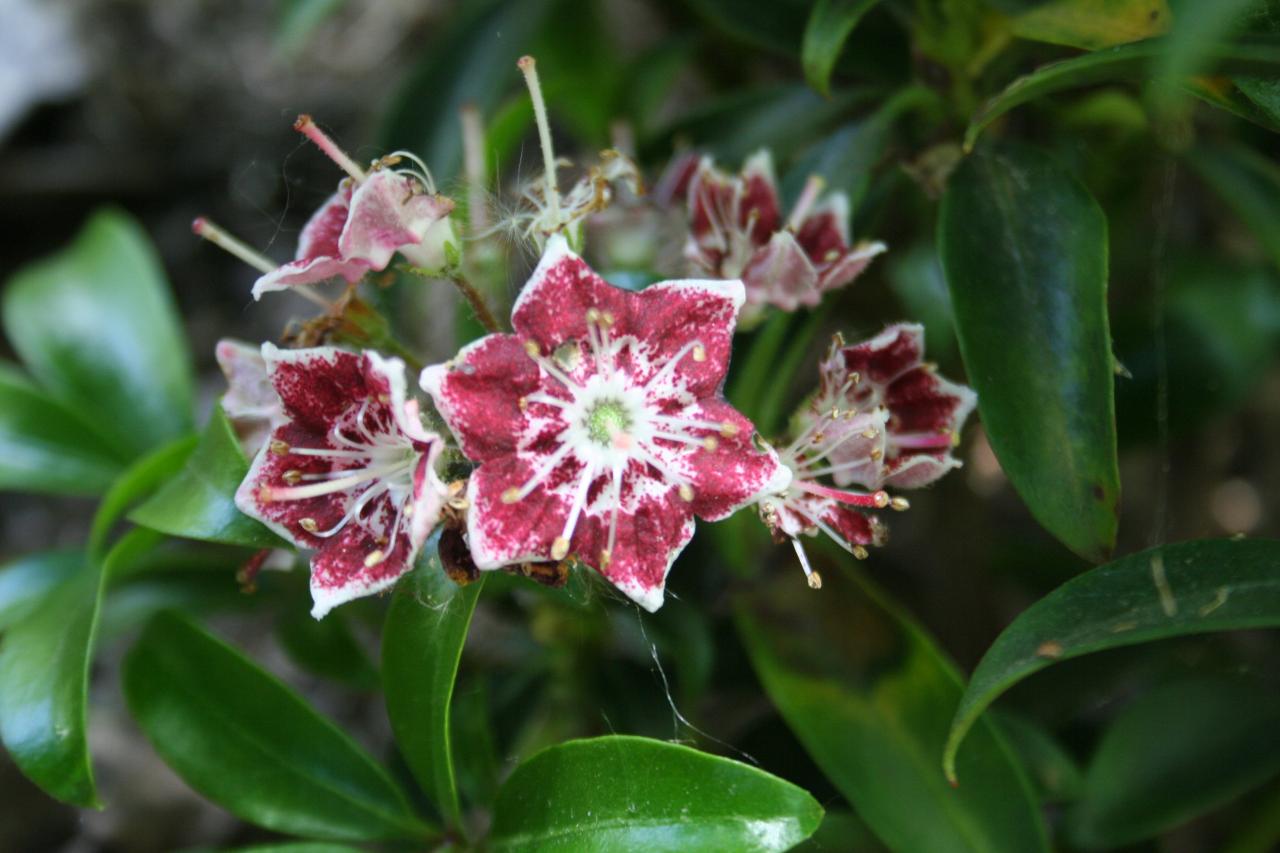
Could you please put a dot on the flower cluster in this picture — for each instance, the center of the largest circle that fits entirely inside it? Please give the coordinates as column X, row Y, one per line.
column 596, row 430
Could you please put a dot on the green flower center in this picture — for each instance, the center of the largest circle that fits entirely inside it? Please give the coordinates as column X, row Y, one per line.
column 605, row 420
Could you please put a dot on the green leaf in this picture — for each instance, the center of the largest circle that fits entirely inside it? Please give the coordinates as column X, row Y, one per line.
column 140, row 479
column 1197, row 29
column 830, row 24
column 1093, row 24
column 422, row 642
column 1176, row 753
column 1024, row 249
column 633, row 793
column 1254, row 55
column 326, row 647
column 44, row 670
column 841, row 832
column 1264, row 94
column 1249, row 183
column 871, row 707
column 471, row 62
column 298, row 847
column 253, row 746
column 48, row 447
column 25, row 582
column 96, row 326
column 775, row 26
column 199, row 503
column 1053, row 771
column 1171, row 591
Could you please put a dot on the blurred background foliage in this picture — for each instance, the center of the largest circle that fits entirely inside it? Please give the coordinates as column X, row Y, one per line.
column 1164, row 113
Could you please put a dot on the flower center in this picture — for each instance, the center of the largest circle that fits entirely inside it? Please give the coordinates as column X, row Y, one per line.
column 606, row 420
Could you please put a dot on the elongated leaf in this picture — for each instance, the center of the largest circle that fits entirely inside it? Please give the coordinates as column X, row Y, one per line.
column 1093, row 24
column 473, row 61
column 1255, row 55
column 299, row 847
column 1249, row 183
column 1176, row 753
column 96, row 326
column 1055, row 774
column 141, row 479
column 46, row 446
column 776, row 26
column 830, row 24
column 252, row 745
column 1024, row 249
column 44, row 672
column 25, row 582
column 199, row 503
column 422, row 642
column 1171, row 591
column 632, row 793
column 1196, row 30
column 870, row 703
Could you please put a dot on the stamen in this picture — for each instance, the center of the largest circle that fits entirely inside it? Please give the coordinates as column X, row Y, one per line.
column 804, row 204
column 529, row 68
column 473, row 160
column 206, row 230
column 531, row 348
column 814, row 579
column 310, row 130
column 515, row 494
column 924, row 441
column 900, row 504
column 560, row 547
column 672, row 362
column 875, row 500
column 374, row 558
column 607, row 555
column 686, row 492
column 315, row 490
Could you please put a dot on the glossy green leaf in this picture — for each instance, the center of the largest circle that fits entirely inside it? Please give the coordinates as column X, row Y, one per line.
column 1093, row 24
column 45, row 655
column 473, row 61
column 1255, row 55
column 915, row 274
column 1024, row 250
column 250, row 744
column 1249, row 183
column 632, row 793
column 841, row 832
column 1264, row 94
column 1053, row 772
column 199, row 503
column 422, row 642
column 97, row 327
column 829, row 26
column 1175, row 753
column 326, row 647
column 871, row 706
column 141, row 479
column 26, row 581
column 1186, row 588
column 776, row 26
column 46, row 446
column 298, row 847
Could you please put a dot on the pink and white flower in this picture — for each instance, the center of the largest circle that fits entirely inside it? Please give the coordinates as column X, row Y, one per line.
column 251, row 401
column 919, row 413
column 599, row 425
column 350, row 473
column 881, row 417
column 736, row 230
column 370, row 218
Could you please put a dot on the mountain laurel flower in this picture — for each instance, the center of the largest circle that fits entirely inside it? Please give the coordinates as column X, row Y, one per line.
column 886, row 379
column 251, row 402
column 736, row 230
column 372, row 216
column 349, row 473
column 599, row 425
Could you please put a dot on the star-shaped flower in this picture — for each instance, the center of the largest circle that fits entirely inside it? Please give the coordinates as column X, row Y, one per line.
column 350, row 473
column 370, row 218
column 881, row 417
column 736, row 231
column 599, row 425
column 887, row 378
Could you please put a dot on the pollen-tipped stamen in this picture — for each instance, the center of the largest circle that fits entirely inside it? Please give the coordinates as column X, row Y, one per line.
column 808, row 196
column 813, row 578
column 311, row 130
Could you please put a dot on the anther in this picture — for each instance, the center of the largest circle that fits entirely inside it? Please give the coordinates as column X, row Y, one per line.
column 900, row 504
column 605, row 558
column 869, row 433
column 606, row 319
column 686, row 492
column 308, row 524
column 815, row 580
column 699, row 353
column 531, row 347
column 456, row 487
column 522, row 402
column 293, row 476
column 279, row 447
column 559, row 548
column 511, row 495
column 459, row 504
column 710, row 443
column 860, row 552
column 374, row 558
column 593, row 316
column 728, row 429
